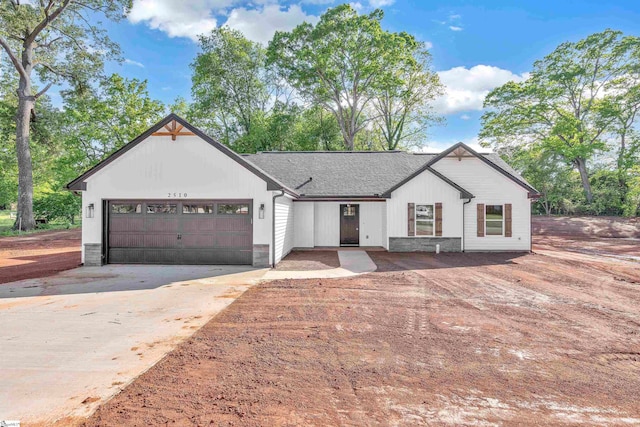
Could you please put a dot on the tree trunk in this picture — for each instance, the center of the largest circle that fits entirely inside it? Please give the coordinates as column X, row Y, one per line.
column 581, row 164
column 26, row 103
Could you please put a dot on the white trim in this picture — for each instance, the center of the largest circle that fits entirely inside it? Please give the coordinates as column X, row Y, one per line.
column 433, row 221
column 494, row 220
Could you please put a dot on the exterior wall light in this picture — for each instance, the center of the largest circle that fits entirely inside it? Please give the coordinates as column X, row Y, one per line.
column 261, row 211
column 90, row 210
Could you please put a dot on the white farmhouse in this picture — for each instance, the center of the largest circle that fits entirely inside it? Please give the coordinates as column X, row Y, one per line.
column 175, row 196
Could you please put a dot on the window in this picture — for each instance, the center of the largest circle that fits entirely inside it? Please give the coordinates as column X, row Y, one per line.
column 197, row 209
column 349, row 211
column 162, row 208
column 233, row 209
column 126, row 208
column 424, row 220
column 493, row 220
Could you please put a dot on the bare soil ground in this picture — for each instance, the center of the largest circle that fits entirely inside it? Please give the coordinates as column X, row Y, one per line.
column 309, row 260
column 551, row 338
column 603, row 236
column 586, row 226
column 39, row 254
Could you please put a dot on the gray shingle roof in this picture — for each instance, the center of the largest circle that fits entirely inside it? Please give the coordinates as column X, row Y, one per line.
column 338, row 173
column 346, row 174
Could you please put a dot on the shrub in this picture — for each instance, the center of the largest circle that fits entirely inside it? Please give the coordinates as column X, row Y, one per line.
column 57, row 206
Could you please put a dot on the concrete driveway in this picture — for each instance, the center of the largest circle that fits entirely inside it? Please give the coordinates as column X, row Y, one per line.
column 70, row 341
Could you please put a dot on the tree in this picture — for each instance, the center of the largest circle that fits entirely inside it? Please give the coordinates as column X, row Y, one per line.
column 561, row 104
column 317, row 129
column 231, row 85
column 100, row 120
column 545, row 171
column 402, row 106
column 622, row 105
column 45, row 147
column 56, row 40
column 342, row 62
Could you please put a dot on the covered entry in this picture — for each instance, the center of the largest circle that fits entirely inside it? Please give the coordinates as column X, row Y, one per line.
column 179, row 232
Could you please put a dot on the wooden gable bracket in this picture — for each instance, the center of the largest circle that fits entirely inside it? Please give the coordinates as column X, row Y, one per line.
column 173, row 130
column 460, row 153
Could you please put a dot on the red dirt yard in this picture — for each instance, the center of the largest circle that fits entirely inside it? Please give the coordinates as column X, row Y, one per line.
column 549, row 338
column 39, row 254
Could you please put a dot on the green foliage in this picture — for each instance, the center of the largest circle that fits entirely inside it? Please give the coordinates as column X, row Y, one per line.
column 57, row 206
column 403, row 106
column 571, row 103
column 65, row 45
column 317, row 130
column 58, row 42
column 343, row 62
column 231, row 87
column 631, row 205
column 608, row 193
column 96, row 122
column 92, row 125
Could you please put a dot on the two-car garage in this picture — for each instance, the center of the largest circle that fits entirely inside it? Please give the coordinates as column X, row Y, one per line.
column 178, row 231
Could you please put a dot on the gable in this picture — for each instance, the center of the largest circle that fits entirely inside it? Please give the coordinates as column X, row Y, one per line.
column 464, row 194
column 158, row 167
column 462, row 151
column 483, row 180
column 162, row 129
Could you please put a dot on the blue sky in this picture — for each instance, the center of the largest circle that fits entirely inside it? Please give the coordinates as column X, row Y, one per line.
column 476, row 45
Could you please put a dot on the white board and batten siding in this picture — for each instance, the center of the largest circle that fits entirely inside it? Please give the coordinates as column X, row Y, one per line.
column 425, row 188
column 318, row 223
column 489, row 187
column 188, row 168
column 303, row 224
column 284, row 226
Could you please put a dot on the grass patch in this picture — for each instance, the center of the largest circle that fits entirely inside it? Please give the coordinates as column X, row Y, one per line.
column 6, row 224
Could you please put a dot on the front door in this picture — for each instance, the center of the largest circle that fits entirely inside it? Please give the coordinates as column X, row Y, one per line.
column 349, row 225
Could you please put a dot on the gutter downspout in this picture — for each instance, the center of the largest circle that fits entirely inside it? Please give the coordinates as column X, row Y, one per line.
column 463, row 229
column 273, row 228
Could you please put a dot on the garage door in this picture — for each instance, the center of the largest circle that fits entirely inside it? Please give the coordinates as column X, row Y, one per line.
column 180, row 232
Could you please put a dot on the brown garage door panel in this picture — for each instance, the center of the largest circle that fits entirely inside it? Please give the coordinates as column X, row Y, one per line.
column 176, row 237
column 126, row 223
column 165, row 225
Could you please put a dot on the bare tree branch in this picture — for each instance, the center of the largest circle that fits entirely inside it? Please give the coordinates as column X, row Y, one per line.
column 49, row 18
column 14, row 60
column 43, row 91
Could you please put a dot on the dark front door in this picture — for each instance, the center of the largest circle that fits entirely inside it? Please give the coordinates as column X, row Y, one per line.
column 180, row 232
column 349, row 225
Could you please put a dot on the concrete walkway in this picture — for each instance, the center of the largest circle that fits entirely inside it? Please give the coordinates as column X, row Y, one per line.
column 352, row 263
column 70, row 341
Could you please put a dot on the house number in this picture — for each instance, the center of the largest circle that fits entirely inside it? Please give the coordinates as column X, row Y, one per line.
column 177, row 195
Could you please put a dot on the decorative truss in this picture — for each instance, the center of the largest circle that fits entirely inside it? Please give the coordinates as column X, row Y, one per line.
column 173, row 129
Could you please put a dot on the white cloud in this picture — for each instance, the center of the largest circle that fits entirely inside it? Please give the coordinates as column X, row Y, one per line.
column 261, row 24
column 454, row 28
column 258, row 20
column 465, row 117
column 177, row 19
column 380, row 3
column 357, row 6
column 132, row 62
column 466, row 88
column 453, row 17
